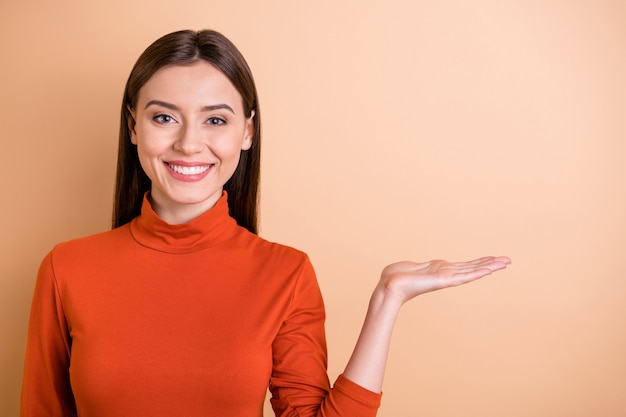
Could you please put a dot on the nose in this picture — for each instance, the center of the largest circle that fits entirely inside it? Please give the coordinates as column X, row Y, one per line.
column 189, row 140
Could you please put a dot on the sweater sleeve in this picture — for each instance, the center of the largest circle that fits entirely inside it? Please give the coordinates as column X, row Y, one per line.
column 46, row 389
column 299, row 384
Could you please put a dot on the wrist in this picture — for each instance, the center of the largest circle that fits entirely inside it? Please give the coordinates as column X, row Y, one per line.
column 385, row 298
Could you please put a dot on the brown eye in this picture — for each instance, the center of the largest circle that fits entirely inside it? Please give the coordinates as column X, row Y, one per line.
column 163, row 118
column 216, row 121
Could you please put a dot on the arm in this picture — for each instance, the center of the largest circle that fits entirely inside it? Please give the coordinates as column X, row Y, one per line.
column 399, row 283
column 299, row 382
column 46, row 385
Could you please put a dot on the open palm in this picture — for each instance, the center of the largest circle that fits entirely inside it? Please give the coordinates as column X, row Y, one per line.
column 407, row 280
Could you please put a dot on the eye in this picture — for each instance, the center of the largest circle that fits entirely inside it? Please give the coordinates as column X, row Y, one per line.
column 216, row 121
column 163, row 119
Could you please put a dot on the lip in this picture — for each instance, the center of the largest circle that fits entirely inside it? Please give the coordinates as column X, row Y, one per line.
column 189, row 166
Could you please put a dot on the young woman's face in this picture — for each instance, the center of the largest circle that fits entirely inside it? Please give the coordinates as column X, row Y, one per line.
column 189, row 130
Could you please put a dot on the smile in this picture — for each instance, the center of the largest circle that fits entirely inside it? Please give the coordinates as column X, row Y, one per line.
column 185, row 170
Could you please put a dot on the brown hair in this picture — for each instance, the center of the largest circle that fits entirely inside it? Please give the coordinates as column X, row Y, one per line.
column 184, row 48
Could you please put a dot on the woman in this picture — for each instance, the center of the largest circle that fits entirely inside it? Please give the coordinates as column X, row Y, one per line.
column 181, row 309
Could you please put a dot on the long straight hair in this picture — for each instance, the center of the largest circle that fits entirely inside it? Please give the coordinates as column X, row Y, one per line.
column 184, row 48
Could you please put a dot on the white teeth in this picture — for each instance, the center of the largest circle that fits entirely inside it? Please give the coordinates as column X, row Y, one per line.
column 195, row 170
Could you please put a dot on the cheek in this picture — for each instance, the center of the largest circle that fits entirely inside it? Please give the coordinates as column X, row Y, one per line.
column 144, row 152
column 150, row 143
column 145, row 161
column 230, row 157
column 148, row 152
column 227, row 150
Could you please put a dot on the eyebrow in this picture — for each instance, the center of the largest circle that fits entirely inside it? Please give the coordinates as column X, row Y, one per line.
column 175, row 107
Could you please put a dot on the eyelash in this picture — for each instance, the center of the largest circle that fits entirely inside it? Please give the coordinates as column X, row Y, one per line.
column 159, row 118
column 216, row 121
column 166, row 119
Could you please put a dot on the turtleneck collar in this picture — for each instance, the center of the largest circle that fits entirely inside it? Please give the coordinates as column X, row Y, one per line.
column 208, row 229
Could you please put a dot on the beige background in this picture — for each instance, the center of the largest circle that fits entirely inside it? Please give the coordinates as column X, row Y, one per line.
column 392, row 130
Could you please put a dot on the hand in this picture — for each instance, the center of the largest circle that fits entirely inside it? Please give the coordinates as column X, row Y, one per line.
column 406, row 280
column 399, row 283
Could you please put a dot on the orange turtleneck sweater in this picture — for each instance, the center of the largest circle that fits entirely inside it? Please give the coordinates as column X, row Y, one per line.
column 153, row 319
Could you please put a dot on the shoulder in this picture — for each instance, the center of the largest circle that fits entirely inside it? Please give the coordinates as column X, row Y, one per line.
column 276, row 248
column 81, row 255
column 273, row 253
column 95, row 245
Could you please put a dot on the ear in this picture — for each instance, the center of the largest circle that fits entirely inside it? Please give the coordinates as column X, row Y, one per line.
column 131, row 124
column 249, row 132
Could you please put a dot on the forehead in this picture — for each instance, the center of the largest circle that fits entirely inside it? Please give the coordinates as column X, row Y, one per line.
column 198, row 84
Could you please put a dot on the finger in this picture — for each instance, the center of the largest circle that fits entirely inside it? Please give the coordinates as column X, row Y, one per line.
column 466, row 277
column 504, row 259
column 477, row 261
column 484, row 262
column 473, row 265
column 498, row 263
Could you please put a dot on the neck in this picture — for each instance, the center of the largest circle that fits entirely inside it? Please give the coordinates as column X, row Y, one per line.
column 181, row 213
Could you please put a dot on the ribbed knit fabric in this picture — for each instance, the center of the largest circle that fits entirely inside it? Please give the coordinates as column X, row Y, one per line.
column 152, row 319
